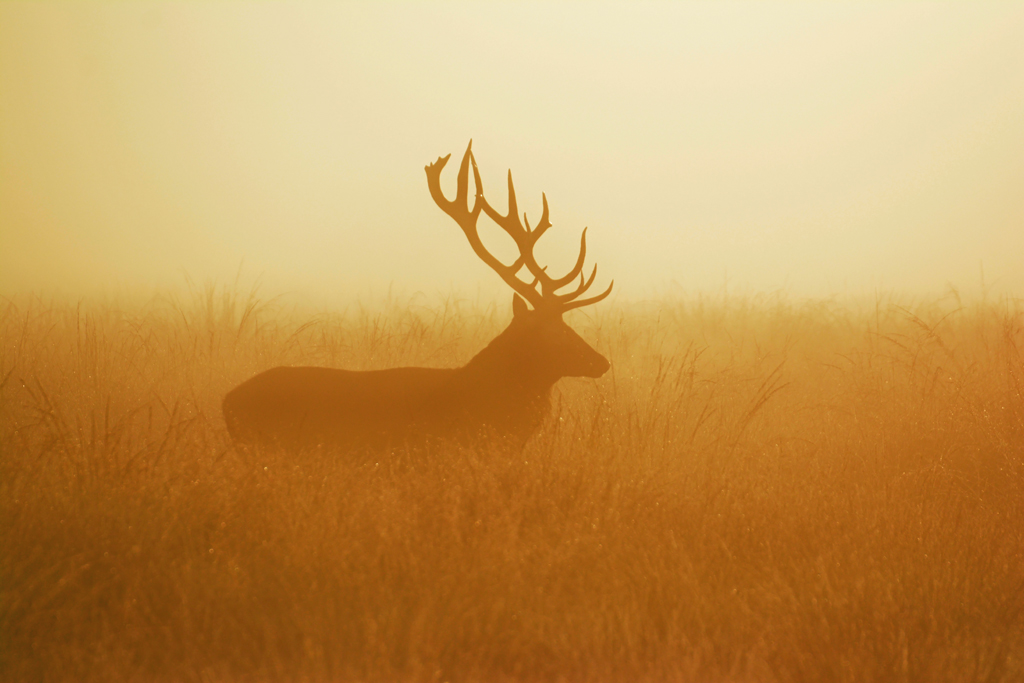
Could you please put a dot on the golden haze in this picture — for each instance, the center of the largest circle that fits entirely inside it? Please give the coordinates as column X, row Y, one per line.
column 814, row 148
column 774, row 487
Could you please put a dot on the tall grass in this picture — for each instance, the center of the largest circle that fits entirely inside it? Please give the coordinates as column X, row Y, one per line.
column 759, row 490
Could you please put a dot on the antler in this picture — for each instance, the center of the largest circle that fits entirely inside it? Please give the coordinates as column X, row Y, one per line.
column 525, row 238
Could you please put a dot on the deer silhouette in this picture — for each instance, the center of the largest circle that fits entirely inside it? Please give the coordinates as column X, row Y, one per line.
column 501, row 395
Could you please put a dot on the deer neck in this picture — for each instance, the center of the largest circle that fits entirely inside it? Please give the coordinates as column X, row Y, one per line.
column 500, row 367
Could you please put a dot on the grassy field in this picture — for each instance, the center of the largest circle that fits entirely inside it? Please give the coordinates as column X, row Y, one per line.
column 759, row 490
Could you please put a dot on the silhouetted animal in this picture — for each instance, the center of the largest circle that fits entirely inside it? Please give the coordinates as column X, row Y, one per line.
column 501, row 394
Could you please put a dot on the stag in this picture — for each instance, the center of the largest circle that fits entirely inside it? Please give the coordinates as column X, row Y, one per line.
column 502, row 394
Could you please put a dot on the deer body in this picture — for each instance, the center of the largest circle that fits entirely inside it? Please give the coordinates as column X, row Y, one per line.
column 502, row 394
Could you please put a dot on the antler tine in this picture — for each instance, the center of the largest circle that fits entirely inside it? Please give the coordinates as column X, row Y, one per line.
column 513, row 212
column 476, row 177
column 462, row 181
column 434, row 182
column 558, row 283
column 459, row 211
column 591, row 300
column 510, row 222
column 543, row 224
column 583, row 286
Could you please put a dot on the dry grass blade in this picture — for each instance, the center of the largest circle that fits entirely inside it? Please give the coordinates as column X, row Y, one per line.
column 760, row 490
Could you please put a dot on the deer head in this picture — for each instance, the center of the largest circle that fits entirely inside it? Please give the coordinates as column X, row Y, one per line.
column 537, row 338
column 540, row 339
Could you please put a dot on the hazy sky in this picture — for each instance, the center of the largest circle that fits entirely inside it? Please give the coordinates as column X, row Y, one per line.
column 813, row 147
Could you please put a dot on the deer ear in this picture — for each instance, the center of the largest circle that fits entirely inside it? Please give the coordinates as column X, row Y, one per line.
column 518, row 306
